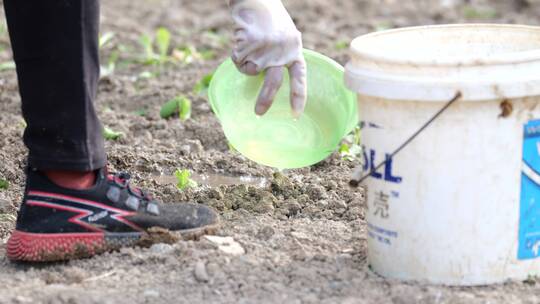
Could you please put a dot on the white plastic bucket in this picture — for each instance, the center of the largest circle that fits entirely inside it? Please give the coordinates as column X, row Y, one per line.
column 460, row 205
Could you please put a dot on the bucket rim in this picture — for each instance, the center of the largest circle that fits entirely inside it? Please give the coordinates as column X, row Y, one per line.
column 358, row 52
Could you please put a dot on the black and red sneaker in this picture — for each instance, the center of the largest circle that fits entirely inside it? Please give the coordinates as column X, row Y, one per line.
column 55, row 223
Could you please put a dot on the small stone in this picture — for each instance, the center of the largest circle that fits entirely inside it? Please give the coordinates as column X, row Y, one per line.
column 226, row 244
column 322, row 204
column 5, row 206
column 280, row 182
column 303, row 200
column 320, row 257
column 194, row 146
column 300, row 236
column 338, row 204
column 74, row 275
column 343, row 261
column 185, row 149
column 331, row 185
column 265, row 205
column 265, row 233
column 161, row 248
column 327, row 214
column 200, row 272
column 312, row 211
column 283, row 186
column 191, row 146
column 292, row 206
column 151, row 293
column 316, row 192
column 215, row 193
column 21, row 299
column 354, row 213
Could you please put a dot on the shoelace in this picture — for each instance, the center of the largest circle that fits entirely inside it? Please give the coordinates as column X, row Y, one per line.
column 122, row 180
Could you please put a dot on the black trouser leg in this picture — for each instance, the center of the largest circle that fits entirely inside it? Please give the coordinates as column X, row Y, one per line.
column 55, row 47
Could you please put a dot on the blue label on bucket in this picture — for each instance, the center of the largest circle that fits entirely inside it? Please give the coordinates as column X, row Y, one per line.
column 529, row 210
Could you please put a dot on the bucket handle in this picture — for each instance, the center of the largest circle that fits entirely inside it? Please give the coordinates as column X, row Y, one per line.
column 357, row 177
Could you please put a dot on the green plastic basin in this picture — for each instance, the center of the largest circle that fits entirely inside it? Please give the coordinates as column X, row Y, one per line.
column 277, row 139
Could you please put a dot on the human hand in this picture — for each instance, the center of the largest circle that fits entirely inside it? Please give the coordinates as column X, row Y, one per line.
column 266, row 40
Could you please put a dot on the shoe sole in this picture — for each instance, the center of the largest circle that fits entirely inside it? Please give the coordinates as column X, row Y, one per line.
column 52, row 247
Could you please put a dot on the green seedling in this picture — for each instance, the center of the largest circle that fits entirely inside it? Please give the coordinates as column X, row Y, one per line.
column 162, row 41
column 190, row 54
column 179, row 105
column 183, row 179
column 471, row 12
column 105, row 39
column 4, row 184
column 146, row 75
column 214, row 39
column 141, row 112
column 108, row 69
column 385, row 25
column 351, row 149
column 8, row 65
column 342, row 45
column 201, row 87
column 3, row 39
column 207, row 54
column 147, row 43
column 110, row 134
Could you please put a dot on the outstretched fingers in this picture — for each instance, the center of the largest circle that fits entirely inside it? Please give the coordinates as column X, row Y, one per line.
column 298, row 79
column 272, row 82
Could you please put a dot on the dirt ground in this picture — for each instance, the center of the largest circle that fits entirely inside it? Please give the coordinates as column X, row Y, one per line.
column 302, row 231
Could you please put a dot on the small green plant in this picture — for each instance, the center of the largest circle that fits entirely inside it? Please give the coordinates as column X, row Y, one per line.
column 342, row 45
column 3, row 36
column 471, row 12
column 108, row 69
column 141, row 112
column 146, row 75
column 189, row 54
column 183, row 179
column 179, row 105
column 4, row 184
column 214, row 39
column 161, row 41
column 385, row 25
column 3, row 28
column 8, row 65
column 105, row 39
column 201, row 87
column 110, row 134
column 351, row 149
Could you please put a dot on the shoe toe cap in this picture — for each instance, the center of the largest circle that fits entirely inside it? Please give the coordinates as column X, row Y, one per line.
column 190, row 216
